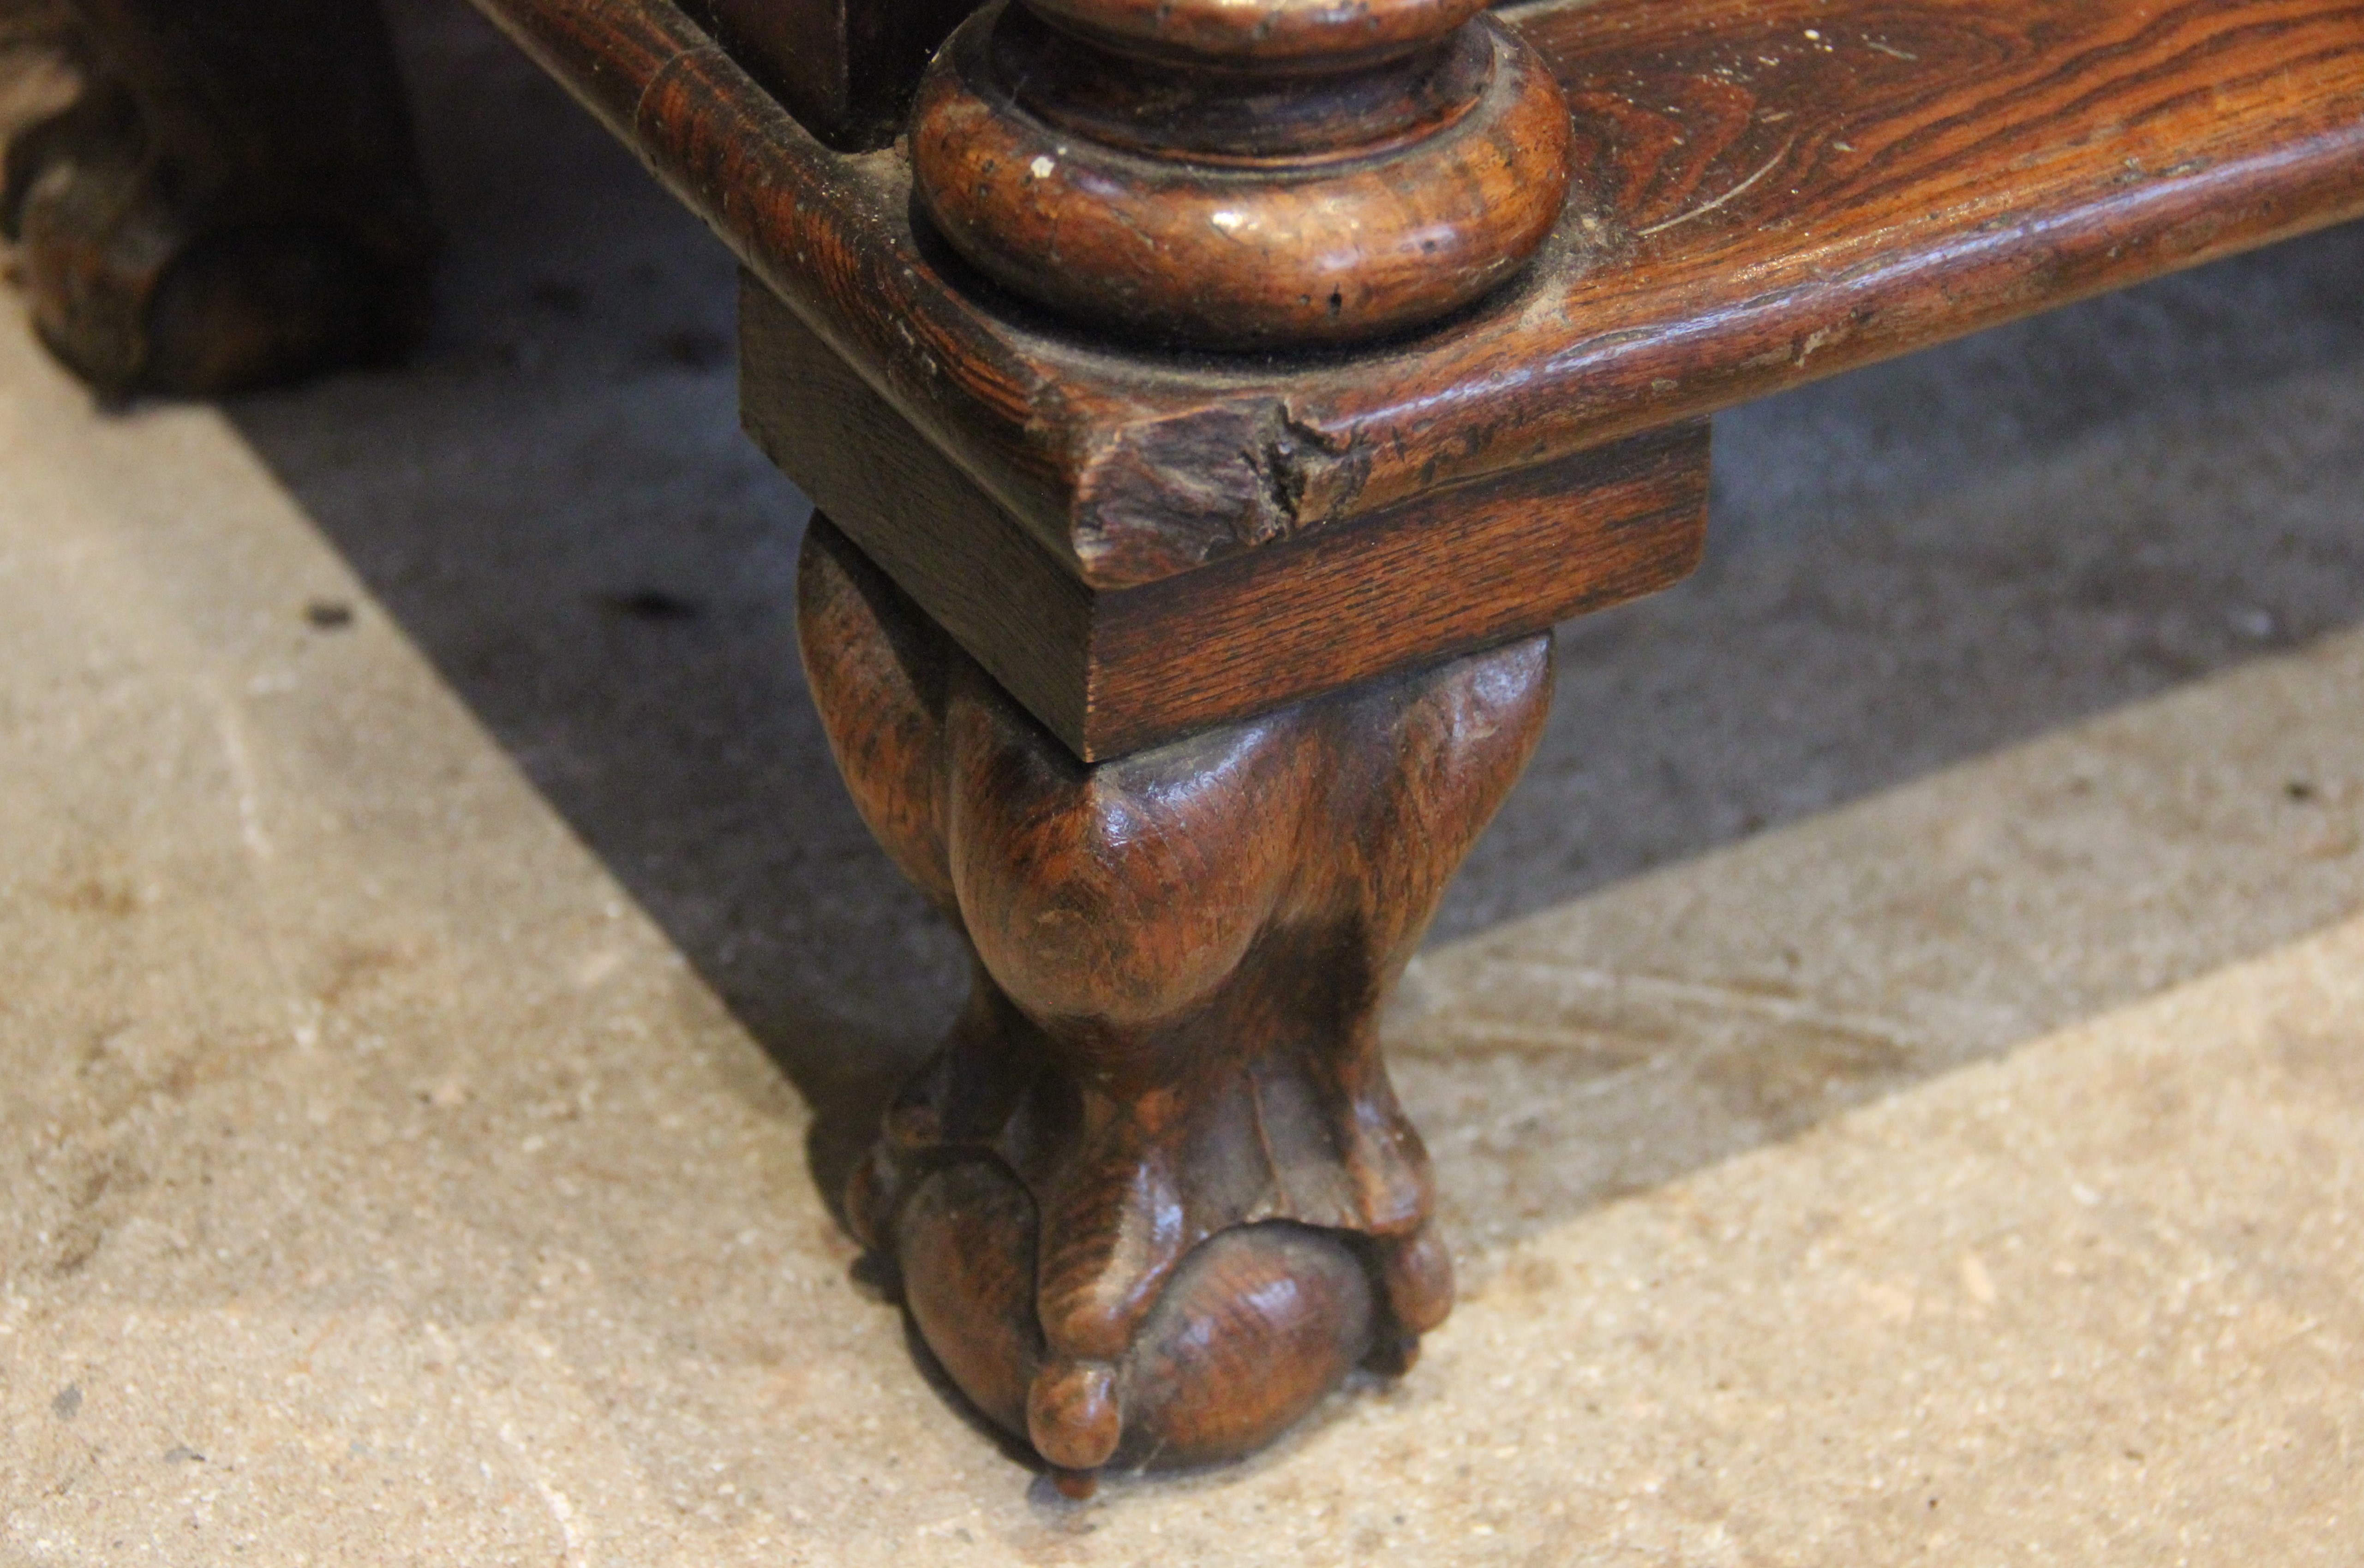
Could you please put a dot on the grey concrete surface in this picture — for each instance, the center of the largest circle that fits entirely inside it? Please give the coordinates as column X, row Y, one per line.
column 1893, row 1067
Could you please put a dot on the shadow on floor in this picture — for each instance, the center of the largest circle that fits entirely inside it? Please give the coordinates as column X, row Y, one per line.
column 1912, row 566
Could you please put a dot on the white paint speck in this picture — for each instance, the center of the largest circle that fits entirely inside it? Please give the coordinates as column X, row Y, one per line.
column 1042, row 166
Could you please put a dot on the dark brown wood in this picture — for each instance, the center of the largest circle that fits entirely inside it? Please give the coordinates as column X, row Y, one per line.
column 233, row 198
column 1238, row 176
column 1921, row 169
column 1154, row 1196
column 1312, row 33
column 1110, row 671
column 844, row 68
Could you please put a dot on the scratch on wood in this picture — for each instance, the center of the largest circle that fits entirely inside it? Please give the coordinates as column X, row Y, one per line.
column 1733, row 195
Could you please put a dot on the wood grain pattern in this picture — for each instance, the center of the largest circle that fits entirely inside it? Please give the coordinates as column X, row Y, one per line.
column 1766, row 209
column 1155, row 1196
column 1110, row 671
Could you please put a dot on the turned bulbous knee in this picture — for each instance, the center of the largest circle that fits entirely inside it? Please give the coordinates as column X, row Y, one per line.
column 1125, row 892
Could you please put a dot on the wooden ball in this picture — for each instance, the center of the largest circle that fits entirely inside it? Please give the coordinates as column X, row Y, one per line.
column 1255, row 1327
column 964, row 1244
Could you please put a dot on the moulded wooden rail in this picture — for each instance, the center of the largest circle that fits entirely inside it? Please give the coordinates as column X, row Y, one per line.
column 1793, row 188
column 1766, row 191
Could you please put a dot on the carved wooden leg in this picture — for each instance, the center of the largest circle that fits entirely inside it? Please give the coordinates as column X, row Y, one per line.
column 1155, row 1196
column 233, row 198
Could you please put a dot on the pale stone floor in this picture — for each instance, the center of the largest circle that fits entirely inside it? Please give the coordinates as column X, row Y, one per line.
column 1896, row 1068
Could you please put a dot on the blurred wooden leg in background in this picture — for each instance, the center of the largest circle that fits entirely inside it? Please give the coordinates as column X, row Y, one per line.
column 228, row 195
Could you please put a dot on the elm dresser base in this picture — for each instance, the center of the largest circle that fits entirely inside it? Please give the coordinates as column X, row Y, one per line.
column 1211, row 407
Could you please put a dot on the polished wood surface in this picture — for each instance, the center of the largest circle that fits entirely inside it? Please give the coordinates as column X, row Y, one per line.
column 1111, row 670
column 1240, row 177
column 1155, row 1197
column 1303, row 32
column 1765, row 207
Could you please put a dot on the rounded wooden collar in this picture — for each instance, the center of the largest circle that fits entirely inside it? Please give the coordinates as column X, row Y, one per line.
column 1296, row 32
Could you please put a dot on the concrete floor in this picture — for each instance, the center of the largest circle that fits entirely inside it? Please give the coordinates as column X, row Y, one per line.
column 1896, row 1068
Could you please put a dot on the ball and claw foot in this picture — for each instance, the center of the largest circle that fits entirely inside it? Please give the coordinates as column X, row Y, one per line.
column 1154, row 1197
column 1253, row 1328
